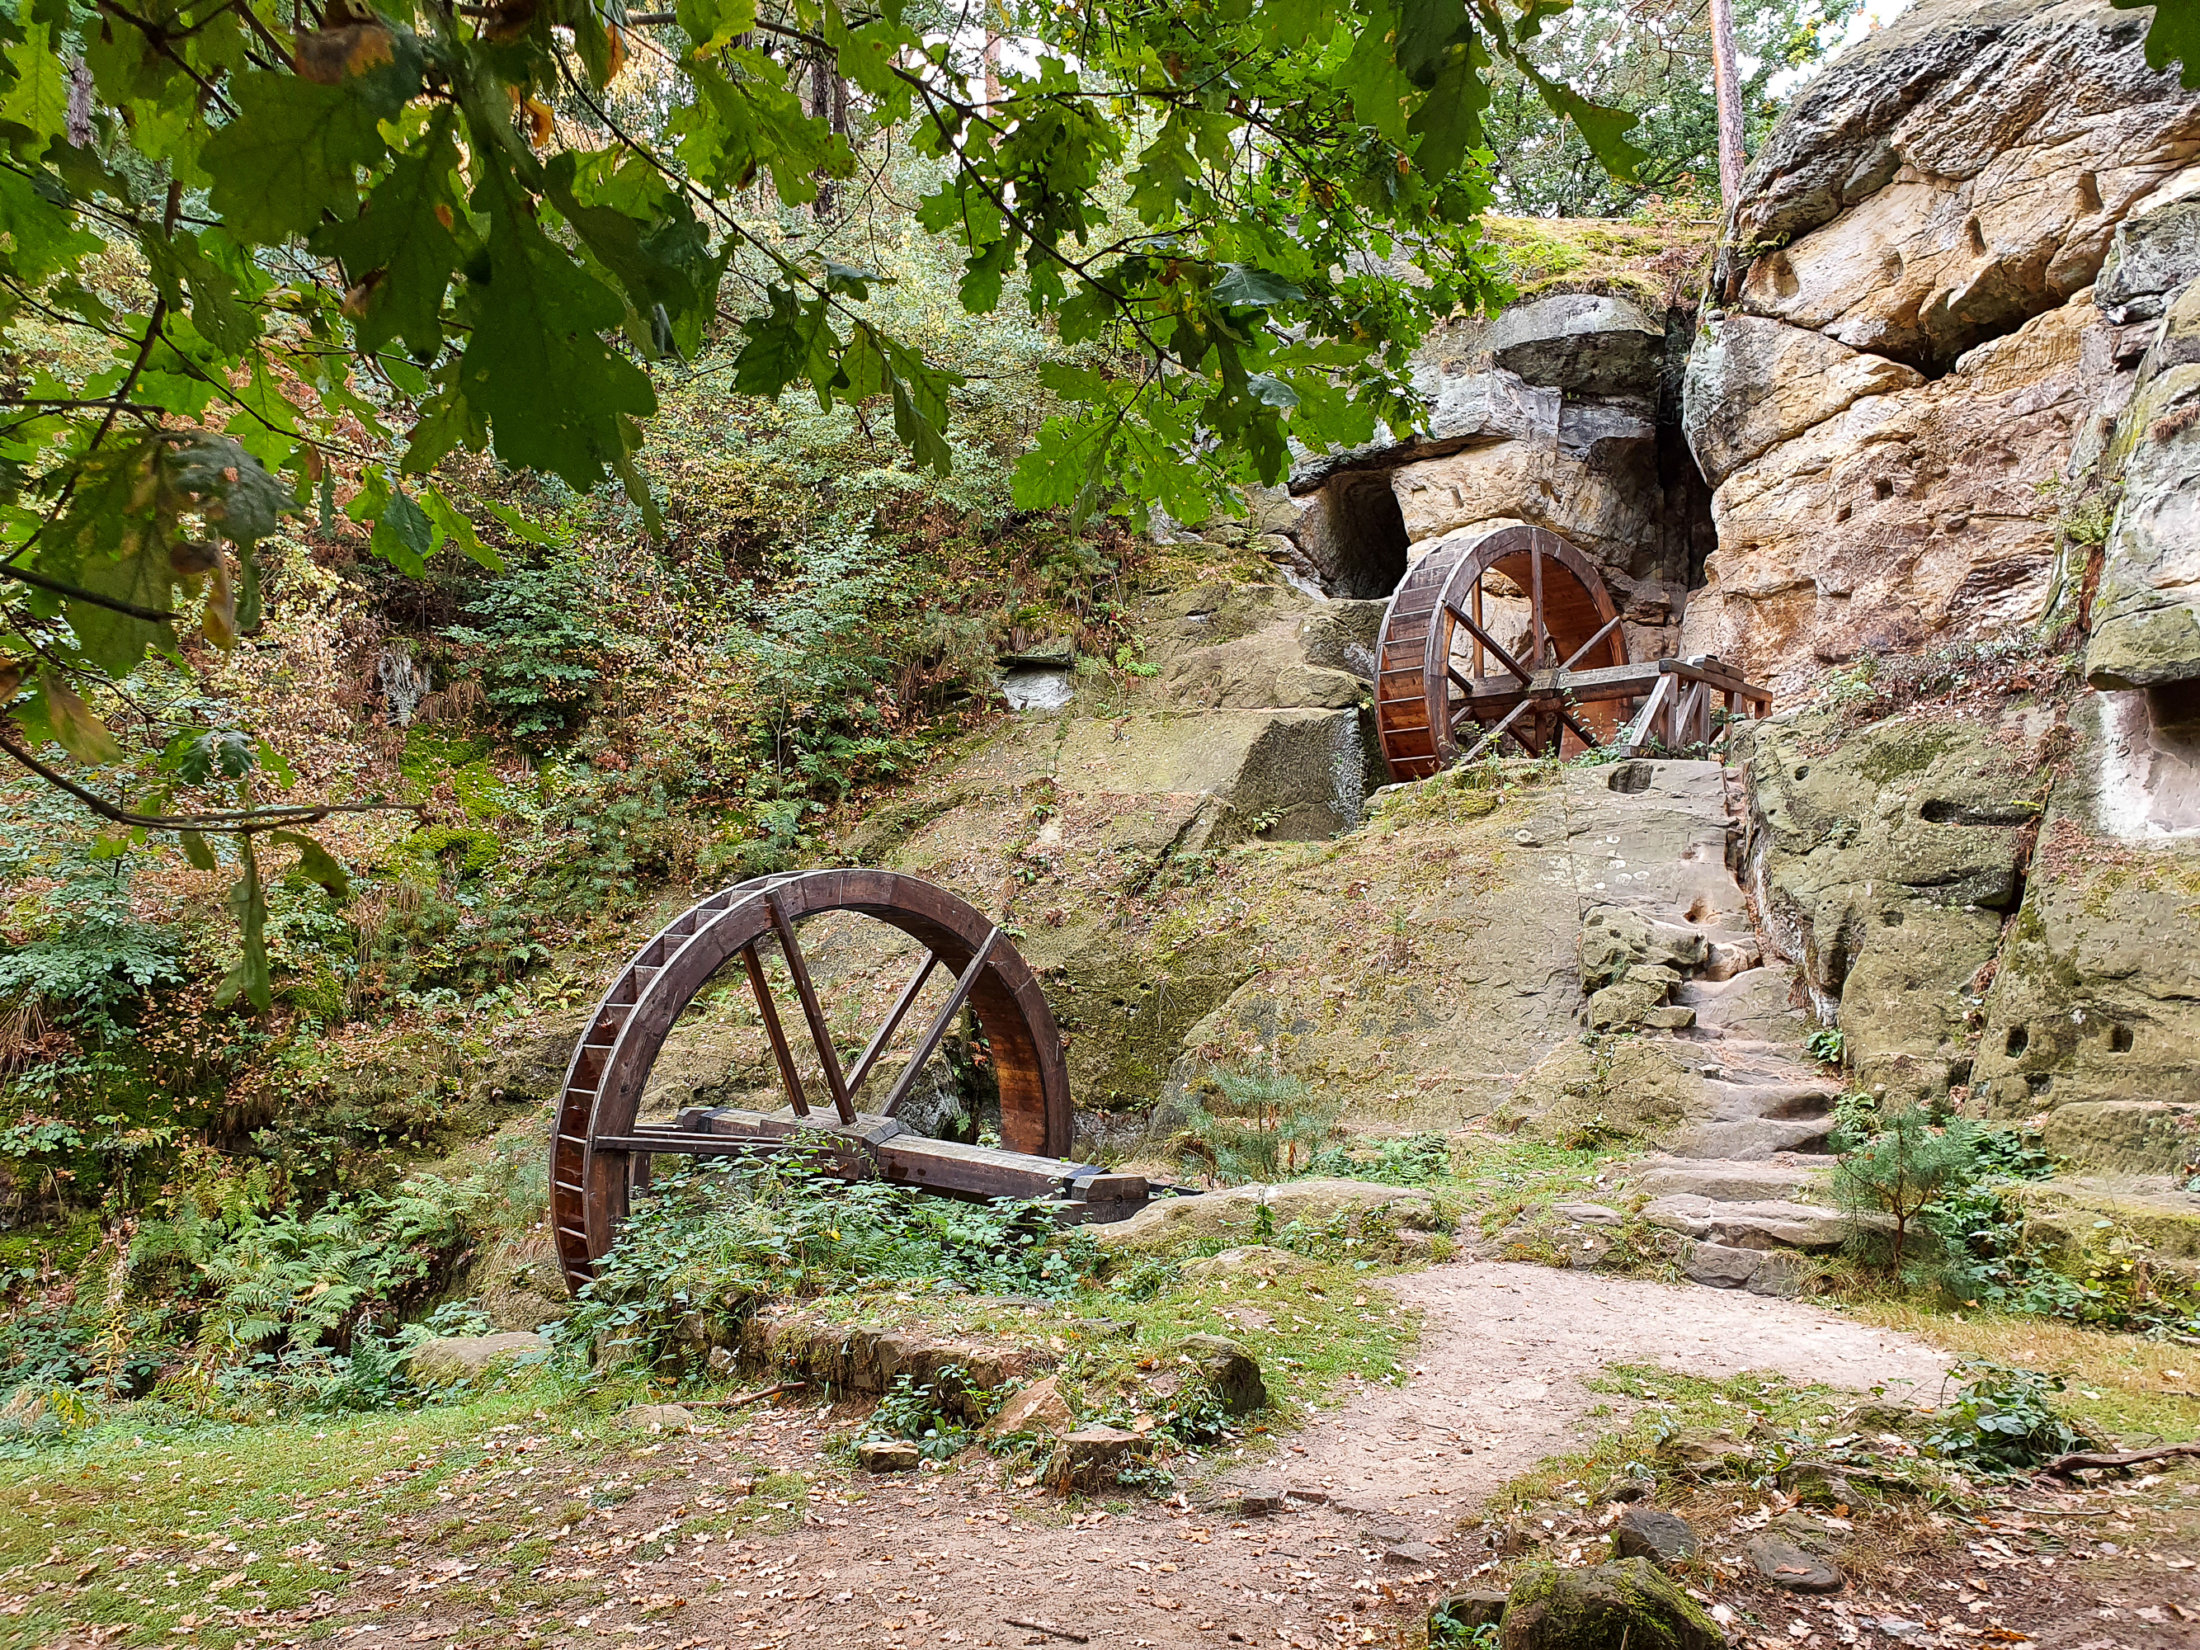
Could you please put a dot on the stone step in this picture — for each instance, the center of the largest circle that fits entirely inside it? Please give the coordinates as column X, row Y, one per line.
column 1739, row 1102
column 1756, row 1138
column 1769, row 1224
column 1790, row 1179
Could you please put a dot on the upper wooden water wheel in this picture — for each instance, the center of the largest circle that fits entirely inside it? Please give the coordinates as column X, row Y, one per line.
column 602, row 1145
column 1474, row 642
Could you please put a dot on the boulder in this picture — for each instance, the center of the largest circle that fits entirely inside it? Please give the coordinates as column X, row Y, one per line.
column 1786, row 1564
column 1235, row 1212
column 1753, row 1225
column 1616, row 939
column 1089, row 1457
column 1258, row 1260
column 448, row 1360
column 1038, row 1408
column 1649, row 1532
column 1305, row 768
column 1229, row 1371
column 1627, row 1602
column 1703, row 1454
column 1817, row 1484
column 865, row 1359
column 888, row 1455
column 1581, row 342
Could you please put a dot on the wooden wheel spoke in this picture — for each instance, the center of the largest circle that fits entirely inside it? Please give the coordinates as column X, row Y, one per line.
column 1475, row 629
column 820, row 1033
column 1498, row 732
column 942, row 1022
column 902, row 1005
column 754, row 966
column 1580, row 652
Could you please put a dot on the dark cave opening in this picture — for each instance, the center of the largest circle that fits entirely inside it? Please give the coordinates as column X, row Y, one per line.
column 1367, row 536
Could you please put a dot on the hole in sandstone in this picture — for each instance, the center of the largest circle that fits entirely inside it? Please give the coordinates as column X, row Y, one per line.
column 1701, row 909
column 2119, row 1039
column 2041, row 1083
column 1803, row 772
column 1890, row 919
column 1363, row 553
column 2019, row 1040
column 1959, row 1073
column 1843, row 513
column 1630, row 778
column 1882, row 488
column 1936, row 811
column 1977, row 237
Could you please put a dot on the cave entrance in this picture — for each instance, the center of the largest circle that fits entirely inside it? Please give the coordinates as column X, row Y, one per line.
column 1367, row 536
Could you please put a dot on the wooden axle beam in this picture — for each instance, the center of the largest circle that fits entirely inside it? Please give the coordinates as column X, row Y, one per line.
column 879, row 1148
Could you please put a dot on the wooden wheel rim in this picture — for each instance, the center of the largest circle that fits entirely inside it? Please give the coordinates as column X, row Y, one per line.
column 1417, row 704
column 590, row 1191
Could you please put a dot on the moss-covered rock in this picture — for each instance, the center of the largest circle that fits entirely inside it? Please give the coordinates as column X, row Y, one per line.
column 1888, row 856
column 1629, row 1601
column 1354, row 1207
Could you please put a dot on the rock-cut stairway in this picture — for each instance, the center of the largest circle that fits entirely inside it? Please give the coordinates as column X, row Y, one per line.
column 1746, row 1182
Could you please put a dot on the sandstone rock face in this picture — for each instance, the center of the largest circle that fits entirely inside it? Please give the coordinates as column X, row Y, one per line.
column 1909, row 351
column 1959, row 172
column 2094, row 1016
column 1900, row 518
column 2146, row 621
column 1885, row 862
column 1754, row 383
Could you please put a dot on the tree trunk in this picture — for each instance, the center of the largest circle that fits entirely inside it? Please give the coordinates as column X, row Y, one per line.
column 821, row 108
column 1726, row 80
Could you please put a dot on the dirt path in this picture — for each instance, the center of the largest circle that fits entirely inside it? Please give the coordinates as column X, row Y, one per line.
column 1504, row 1349
column 959, row 1558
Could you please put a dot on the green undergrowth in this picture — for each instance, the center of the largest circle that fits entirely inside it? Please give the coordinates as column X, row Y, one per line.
column 1985, row 1423
column 714, row 1248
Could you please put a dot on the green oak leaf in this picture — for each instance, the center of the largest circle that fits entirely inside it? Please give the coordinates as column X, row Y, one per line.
column 537, row 367
column 2174, row 37
column 402, row 250
column 292, row 154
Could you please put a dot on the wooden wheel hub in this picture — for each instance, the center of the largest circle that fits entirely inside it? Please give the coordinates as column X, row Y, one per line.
column 601, row 1149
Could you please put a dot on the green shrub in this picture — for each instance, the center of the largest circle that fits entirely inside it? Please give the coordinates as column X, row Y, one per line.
column 2004, row 1420
column 1255, row 1126
column 723, row 1241
column 1905, row 1167
column 1413, row 1160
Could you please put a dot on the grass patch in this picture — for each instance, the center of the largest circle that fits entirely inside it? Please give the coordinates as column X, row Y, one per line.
column 148, row 1522
column 2142, row 1391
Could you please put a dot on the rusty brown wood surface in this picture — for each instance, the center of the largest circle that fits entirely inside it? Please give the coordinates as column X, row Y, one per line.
column 591, row 1189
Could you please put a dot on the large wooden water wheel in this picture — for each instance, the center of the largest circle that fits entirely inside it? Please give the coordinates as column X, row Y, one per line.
column 1475, row 641
column 603, row 1143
